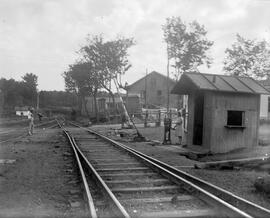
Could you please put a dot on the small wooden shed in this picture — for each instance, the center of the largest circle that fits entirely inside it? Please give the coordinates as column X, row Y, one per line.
column 223, row 111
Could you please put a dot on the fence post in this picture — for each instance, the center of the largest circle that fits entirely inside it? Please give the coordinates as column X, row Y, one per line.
column 145, row 119
column 158, row 119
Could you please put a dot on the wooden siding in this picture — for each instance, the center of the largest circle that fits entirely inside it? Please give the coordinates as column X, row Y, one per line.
column 224, row 139
column 216, row 137
column 154, row 84
column 190, row 118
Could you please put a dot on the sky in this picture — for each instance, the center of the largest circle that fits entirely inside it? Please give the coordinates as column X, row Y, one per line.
column 43, row 36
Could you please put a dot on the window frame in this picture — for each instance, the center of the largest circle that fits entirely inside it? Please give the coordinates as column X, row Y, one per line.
column 231, row 125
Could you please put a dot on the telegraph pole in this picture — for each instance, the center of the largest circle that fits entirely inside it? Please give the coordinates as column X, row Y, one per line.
column 168, row 89
column 37, row 100
column 145, row 91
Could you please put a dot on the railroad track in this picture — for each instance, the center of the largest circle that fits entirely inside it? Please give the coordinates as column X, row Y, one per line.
column 11, row 134
column 135, row 185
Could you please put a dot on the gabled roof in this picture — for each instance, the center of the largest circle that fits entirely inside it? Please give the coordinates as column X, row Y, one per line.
column 265, row 83
column 153, row 73
column 216, row 82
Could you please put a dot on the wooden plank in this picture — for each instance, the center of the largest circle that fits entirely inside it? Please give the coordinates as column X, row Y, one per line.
column 235, row 162
column 118, row 164
column 135, row 181
column 111, row 159
column 158, row 200
column 128, row 174
column 146, row 189
column 121, row 169
column 181, row 213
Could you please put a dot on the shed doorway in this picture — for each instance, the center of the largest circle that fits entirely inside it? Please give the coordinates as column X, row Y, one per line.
column 198, row 119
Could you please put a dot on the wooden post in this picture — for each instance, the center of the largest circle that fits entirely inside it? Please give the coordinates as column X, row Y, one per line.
column 145, row 119
column 158, row 118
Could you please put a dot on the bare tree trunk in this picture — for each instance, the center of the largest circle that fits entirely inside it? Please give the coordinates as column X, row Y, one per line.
column 112, row 95
column 79, row 103
column 123, row 105
column 95, row 104
column 85, row 107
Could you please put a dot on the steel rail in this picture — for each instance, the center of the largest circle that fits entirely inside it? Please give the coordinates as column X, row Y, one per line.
column 251, row 208
column 116, row 207
column 216, row 202
column 90, row 202
column 23, row 129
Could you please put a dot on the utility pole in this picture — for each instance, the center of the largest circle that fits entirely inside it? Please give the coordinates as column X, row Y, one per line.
column 37, row 100
column 168, row 89
column 145, row 91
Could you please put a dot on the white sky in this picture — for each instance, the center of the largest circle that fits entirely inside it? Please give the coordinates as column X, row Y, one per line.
column 42, row 36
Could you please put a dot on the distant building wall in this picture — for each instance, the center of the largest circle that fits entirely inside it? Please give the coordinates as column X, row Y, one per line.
column 264, row 107
column 22, row 113
column 153, row 90
column 105, row 105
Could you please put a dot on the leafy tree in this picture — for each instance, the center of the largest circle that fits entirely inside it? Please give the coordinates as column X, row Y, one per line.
column 30, row 88
column 83, row 80
column 187, row 45
column 248, row 58
column 12, row 94
column 54, row 99
column 19, row 93
column 109, row 59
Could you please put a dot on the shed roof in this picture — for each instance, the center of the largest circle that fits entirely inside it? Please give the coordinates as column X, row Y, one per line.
column 216, row 82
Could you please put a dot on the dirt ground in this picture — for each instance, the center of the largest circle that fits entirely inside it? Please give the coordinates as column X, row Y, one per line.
column 37, row 177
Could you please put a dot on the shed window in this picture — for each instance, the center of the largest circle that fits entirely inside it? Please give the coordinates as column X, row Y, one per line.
column 235, row 118
column 159, row 92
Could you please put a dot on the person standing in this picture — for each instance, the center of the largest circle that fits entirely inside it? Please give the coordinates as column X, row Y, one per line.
column 167, row 130
column 31, row 122
column 179, row 127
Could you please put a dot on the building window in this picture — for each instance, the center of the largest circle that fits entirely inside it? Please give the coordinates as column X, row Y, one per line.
column 159, row 92
column 235, row 118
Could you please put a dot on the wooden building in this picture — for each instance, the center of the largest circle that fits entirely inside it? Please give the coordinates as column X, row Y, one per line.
column 22, row 111
column 105, row 105
column 223, row 111
column 265, row 100
column 153, row 91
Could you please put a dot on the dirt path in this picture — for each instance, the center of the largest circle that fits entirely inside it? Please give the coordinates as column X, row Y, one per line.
column 42, row 181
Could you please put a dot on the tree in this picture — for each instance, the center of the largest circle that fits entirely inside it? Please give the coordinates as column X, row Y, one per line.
column 19, row 93
column 109, row 59
column 12, row 93
column 187, row 45
column 248, row 58
column 83, row 80
column 30, row 88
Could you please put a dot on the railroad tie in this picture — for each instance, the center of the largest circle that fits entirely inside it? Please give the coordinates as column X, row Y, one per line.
column 158, row 200
column 181, row 213
column 146, row 189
